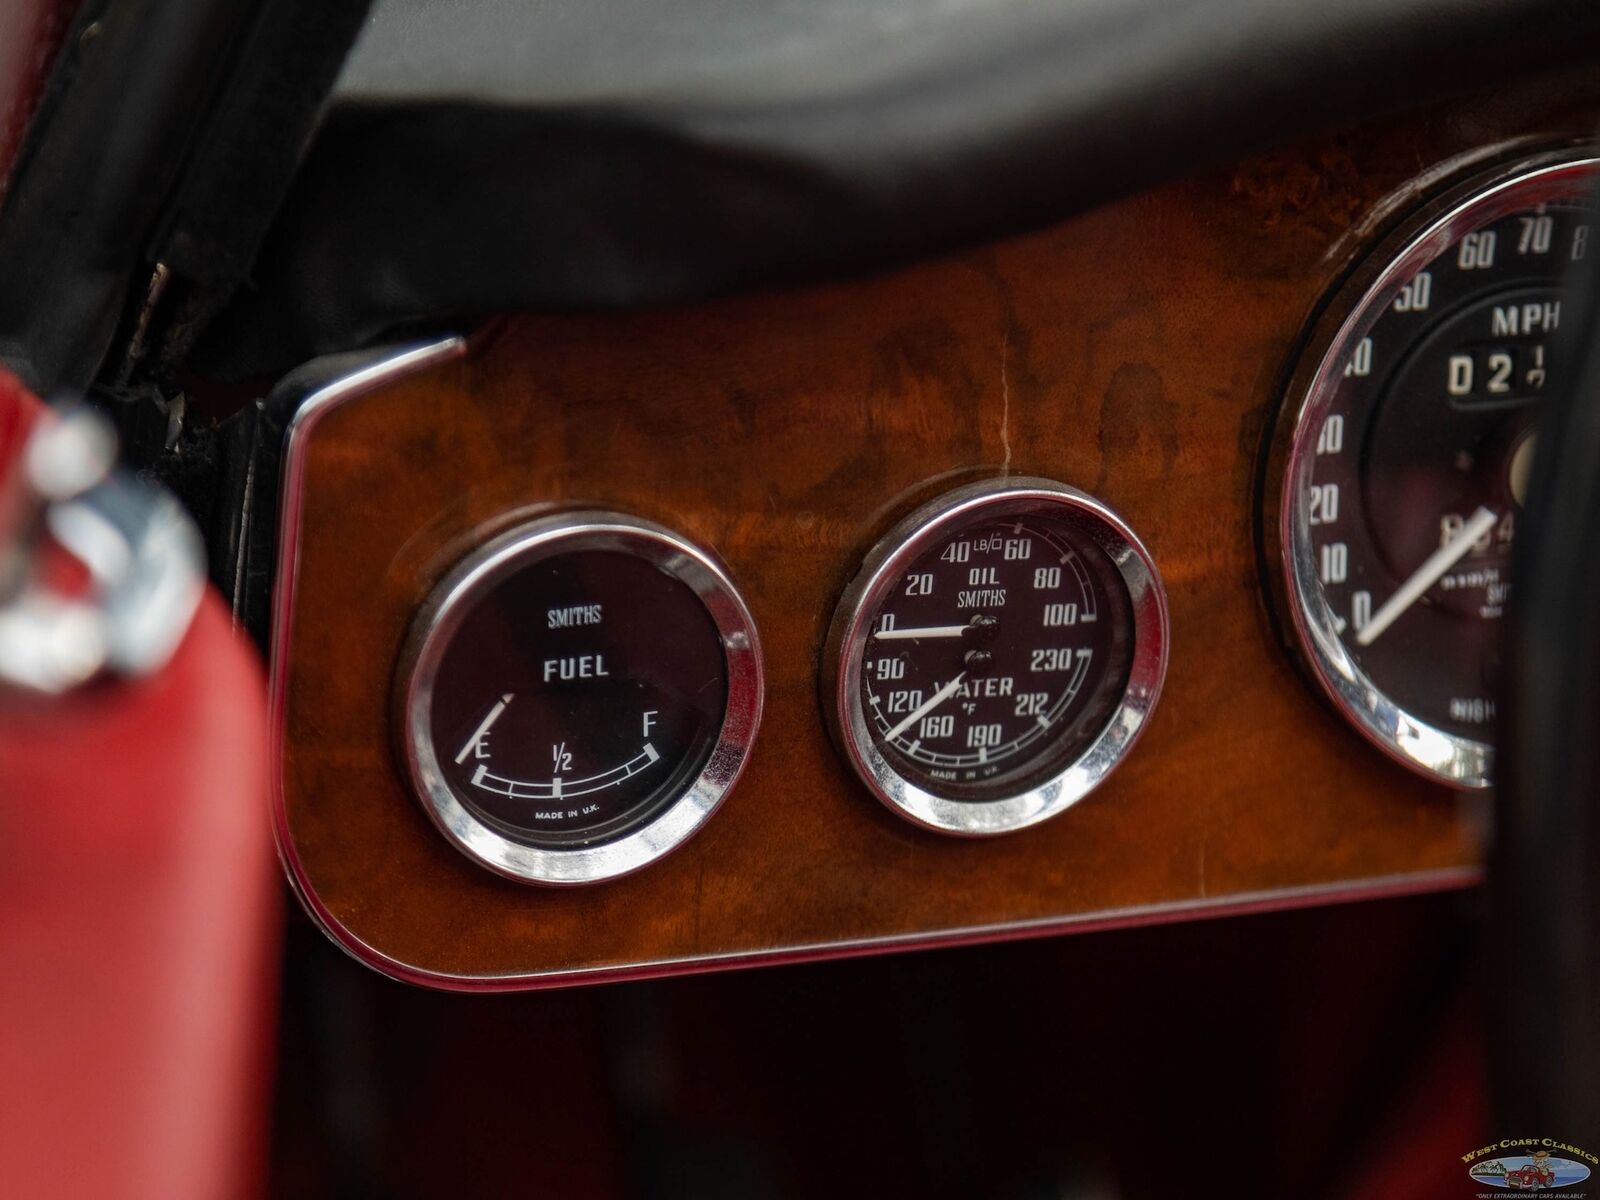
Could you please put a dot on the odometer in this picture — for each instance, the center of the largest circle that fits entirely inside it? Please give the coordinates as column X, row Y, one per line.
column 1404, row 451
column 998, row 654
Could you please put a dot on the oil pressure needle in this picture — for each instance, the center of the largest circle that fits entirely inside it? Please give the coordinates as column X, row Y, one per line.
column 927, row 707
column 1425, row 576
column 927, row 631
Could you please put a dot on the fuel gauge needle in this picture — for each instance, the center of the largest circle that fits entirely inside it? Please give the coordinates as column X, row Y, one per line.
column 928, row 705
column 477, row 734
column 1428, row 574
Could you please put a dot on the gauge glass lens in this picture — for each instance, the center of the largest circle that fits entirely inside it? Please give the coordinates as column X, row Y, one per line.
column 997, row 656
column 1000, row 654
column 577, row 697
column 1410, row 465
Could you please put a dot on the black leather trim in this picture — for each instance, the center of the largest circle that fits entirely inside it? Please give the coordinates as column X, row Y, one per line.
column 168, row 134
column 102, row 154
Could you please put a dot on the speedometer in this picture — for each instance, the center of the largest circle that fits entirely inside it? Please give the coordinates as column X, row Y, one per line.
column 1402, row 458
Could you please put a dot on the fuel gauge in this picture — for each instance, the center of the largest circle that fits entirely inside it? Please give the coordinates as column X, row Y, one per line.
column 577, row 697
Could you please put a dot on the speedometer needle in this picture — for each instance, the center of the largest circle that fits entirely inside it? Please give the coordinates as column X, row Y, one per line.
column 927, row 707
column 1425, row 576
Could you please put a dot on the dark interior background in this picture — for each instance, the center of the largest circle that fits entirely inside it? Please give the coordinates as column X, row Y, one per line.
column 1282, row 1055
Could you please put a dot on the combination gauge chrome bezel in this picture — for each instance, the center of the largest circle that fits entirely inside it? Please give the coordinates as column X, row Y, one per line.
column 674, row 821
column 1552, row 176
column 876, row 582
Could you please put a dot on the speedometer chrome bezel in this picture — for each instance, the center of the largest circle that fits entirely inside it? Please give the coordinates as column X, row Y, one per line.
column 675, row 821
column 1438, row 754
column 875, row 583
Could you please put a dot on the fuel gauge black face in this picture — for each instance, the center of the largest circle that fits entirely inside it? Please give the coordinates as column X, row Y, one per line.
column 577, row 696
column 569, row 687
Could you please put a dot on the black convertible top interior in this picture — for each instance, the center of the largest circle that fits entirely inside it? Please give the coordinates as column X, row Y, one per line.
column 626, row 152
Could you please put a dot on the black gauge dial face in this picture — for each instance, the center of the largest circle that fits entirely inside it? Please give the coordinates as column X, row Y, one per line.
column 578, row 696
column 998, row 657
column 1414, row 460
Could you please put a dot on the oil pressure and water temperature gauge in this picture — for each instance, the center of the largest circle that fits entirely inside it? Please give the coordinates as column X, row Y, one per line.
column 999, row 652
column 577, row 696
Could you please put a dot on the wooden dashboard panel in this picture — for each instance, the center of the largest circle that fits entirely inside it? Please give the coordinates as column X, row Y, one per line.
column 1135, row 352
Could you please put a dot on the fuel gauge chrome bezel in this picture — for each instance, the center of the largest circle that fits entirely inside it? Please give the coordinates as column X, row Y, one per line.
column 669, row 824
